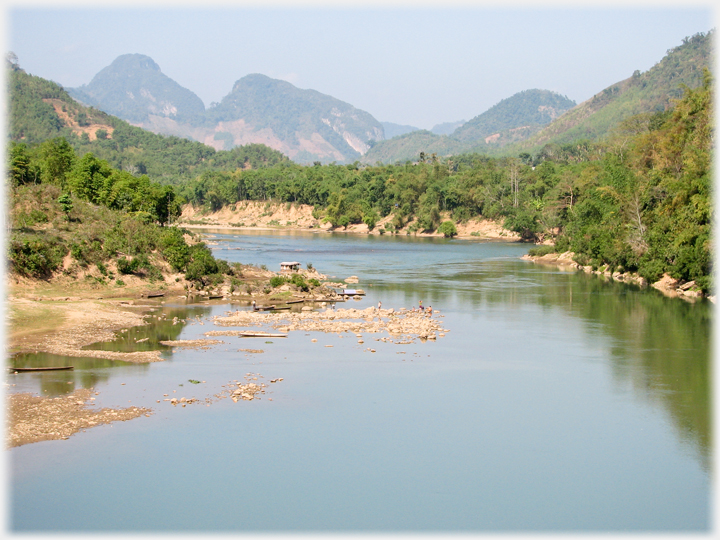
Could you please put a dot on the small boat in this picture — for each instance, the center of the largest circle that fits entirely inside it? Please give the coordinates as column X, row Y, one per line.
column 154, row 294
column 263, row 308
column 295, row 301
column 260, row 334
column 59, row 368
column 215, row 296
column 353, row 292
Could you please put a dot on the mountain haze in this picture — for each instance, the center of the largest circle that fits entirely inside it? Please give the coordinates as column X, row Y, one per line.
column 510, row 120
column 303, row 124
column 393, row 130
column 134, row 89
column 527, row 110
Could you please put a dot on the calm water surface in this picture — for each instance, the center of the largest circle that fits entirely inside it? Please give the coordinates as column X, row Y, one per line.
column 555, row 402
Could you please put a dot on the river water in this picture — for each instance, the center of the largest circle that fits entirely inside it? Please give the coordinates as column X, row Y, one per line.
column 555, row 402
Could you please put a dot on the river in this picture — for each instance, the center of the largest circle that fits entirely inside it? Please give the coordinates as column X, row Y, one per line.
column 555, row 402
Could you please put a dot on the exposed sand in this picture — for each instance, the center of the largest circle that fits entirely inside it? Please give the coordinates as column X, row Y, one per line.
column 272, row 216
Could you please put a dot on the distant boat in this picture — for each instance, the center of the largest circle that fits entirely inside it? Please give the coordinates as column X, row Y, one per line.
column 260, row 334
column 60, row 368
column 353, row 292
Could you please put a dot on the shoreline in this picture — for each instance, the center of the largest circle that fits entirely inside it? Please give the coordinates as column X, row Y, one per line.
column 274, row 216
column 82, row 321
column 667, row 285
column 229, row 227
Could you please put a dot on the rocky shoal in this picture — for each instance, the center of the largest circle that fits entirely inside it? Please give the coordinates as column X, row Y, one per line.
column 403, row 325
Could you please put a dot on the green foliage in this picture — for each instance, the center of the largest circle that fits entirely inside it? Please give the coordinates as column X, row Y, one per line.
column 448, row 229
column 174, row 249
column 299, row 281
column 276, row 281
column 541, row 250
column 202, row 263
column 35, row 257
column 66, row 204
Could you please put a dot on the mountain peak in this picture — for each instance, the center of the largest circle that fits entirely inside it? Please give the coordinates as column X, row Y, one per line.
column 131, row 63
column 134, row 88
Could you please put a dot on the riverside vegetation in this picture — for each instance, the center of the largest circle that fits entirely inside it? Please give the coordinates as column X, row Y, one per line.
column 638, row 201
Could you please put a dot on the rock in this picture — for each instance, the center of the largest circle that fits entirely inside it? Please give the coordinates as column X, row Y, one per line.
column 687, row 286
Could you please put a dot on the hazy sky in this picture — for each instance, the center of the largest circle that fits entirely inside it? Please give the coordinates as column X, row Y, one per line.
column 409, row 65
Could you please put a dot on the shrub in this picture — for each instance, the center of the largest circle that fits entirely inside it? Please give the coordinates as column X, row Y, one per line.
column 202, row 263
column 276, row 281
column 447, row 229
column 299, row 282
column 127, row 266
column 35, row 257
column 541, row 250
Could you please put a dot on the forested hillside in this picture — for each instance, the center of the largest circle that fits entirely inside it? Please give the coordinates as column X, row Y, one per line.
column 528, row 109
column 42, row 110
column 646, row 92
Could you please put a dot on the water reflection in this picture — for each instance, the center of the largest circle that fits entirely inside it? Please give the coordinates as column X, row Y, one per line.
column 86, row 372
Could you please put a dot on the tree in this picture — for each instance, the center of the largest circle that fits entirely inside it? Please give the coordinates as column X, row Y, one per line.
column 66, row 204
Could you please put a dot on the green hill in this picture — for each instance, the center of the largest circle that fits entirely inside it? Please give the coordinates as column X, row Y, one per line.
column 527, row 111
column 513, row 119
column 407, row 147
column 647, row 92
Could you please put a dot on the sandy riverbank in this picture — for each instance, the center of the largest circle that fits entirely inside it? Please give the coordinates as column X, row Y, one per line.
column 254, row 215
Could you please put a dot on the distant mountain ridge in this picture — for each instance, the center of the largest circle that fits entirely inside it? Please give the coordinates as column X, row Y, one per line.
column 512, row 119
column 309, row 126
column 528, row 110
column 591, row 120
column 302, row 124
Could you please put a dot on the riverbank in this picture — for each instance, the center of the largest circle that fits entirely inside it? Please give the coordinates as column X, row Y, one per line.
column 61, row 319
column 259, row 216
column 667, row 285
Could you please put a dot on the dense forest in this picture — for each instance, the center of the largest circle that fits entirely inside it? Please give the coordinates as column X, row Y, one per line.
column 640, row 200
